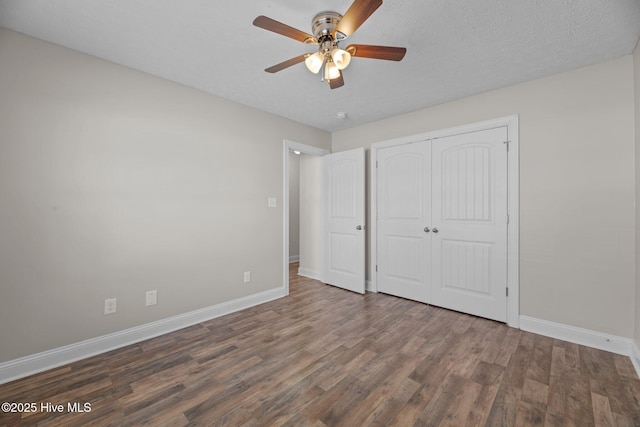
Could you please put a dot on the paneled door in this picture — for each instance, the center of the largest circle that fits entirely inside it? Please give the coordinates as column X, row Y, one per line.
column 404, row 210
column 344, row 244
column 442, row 222
column 469, row 223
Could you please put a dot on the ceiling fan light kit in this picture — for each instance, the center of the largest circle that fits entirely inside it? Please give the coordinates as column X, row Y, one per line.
column 330, row 70
column 314, row 62
column 341, row 58
column 329, row 29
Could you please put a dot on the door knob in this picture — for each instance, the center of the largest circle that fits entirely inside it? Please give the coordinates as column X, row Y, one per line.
column 435, row 230
column 427, row 229
column 359, row 228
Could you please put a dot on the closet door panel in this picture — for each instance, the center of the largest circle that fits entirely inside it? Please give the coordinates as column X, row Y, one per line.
column 469, row 209
column 404, row 210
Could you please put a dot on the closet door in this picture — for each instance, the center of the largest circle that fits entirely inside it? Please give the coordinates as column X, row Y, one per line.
column 404, row 248
column 469, row 234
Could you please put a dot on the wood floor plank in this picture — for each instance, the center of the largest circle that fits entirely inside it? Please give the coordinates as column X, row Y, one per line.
column 541, row 358
column 554, row 420
column 384, row 409
column 327, row 357
column 620, row 421
column 577, row 406
column 505, row 406
column 535, row 393
column 482, row 406
column 624, row 366
column 459, row 410
column 602, row 411
column 508, row 347
column 529, row 415
column 445, row 395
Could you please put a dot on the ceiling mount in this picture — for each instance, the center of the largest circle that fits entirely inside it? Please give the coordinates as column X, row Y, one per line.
column 329, row 29
column 324, row 23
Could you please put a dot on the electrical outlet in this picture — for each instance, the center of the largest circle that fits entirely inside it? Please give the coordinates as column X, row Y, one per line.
column 110, row 306
column 152, row 298
column 272, row 202
column 247, row 276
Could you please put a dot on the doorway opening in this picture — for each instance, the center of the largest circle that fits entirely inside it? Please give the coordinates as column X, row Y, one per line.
column 309, row 184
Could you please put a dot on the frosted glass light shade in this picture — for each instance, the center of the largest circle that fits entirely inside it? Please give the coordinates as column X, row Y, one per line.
column 341, row 58
column 314, row 62
column 331, row 71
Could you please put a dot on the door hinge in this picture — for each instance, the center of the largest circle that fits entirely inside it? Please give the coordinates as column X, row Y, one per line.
column 507, row 289
column 507, row 144
column 376, row 164
column 508, row 219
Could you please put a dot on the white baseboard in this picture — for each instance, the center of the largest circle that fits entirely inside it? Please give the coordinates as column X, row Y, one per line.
column 305, row 272
column 635, row 357
column 599, row 340
column 29, row 365
column 294, row 258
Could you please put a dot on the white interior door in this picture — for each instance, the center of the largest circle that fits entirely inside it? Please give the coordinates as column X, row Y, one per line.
column 344, row 264
column 404, row 210
column 469, row 233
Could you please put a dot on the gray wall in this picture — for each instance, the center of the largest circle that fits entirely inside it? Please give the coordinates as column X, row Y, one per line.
column 577, row 188
column 114, row 182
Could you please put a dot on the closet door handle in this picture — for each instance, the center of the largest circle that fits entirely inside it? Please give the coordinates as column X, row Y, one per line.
column 435, row 230
column 427, row 229
column 359, row 228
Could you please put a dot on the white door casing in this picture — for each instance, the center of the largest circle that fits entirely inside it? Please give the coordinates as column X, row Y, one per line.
column 344, row 188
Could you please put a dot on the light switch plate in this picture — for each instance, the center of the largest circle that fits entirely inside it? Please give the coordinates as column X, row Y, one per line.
column 110, row 306
column 151, row 298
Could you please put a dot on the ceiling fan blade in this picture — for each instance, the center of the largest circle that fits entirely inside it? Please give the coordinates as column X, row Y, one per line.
column 389, row 53
column 283, row 29
column 286, row 64
column 357, row 13
column 336, row 83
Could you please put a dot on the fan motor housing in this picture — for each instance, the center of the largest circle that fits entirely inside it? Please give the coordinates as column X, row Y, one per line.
column 324, row 23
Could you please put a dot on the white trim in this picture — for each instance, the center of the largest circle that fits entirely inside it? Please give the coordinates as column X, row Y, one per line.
column 294, row 258
column 305, row 272
column 287, row 147
column 457, row 130
column 635, row 357
column 372, row 283
column 513, row 229
column 513, row 275
column 29, row 365
column 576, row 335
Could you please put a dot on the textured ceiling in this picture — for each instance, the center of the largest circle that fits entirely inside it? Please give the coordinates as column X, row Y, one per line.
column 455, row 48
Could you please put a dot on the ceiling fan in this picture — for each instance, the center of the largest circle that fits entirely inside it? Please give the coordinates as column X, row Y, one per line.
column 329, row 29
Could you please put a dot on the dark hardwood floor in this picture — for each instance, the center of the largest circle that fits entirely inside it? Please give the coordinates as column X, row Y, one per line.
column 328, row 357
